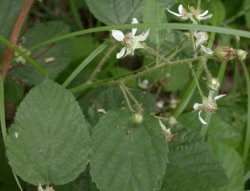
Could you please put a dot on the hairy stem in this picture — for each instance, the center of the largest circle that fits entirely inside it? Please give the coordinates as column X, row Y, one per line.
column 14, row 36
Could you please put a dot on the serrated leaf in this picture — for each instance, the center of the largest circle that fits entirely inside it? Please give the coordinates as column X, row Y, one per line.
column 219, row 13
column 115, row 11
column 49, row 141
column 13, row 91
column 83, row 182
column 59, row 52
column 9, row 11
column 191, row 167
column 224, row 132
column 7, row 181
column 231, row 162
column 128, row 156
column 247, row 13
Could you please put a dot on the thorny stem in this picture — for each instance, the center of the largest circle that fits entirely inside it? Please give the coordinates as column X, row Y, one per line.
column 138, row 105
column 126, row 97
column 14, row 36
column 155, row 53
column 193, row 42
column 196, row 80
column 133, row 75
column 177, row 49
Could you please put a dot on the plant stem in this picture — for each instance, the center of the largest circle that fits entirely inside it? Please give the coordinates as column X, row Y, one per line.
column 188, row 94
column 36, row 66
column 247, row 137
column 3, row 124
column 156, row 54
column 138, row 105
column 75, row 13
column 126, row 97
column 199, row 4
column 2, row 110
column 237, row 15
column 133, row 75
column 196, row 80
column 173, row 26
column 84, row 63
column 102, row 62
column 14, row 36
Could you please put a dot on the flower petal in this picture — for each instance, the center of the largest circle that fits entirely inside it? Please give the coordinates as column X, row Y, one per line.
column 143, row 36
column 118, row 35
column 176, row 14
column 204, row 13
column 219, row 96
column 201, row 119
column 134, row 21
column 205, row 17
column 181, row 9
column 206, row 50
column 197, row 106
column 121, row 53
column 162, row 126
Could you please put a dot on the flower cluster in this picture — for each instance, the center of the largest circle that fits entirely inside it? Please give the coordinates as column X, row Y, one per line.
column 192, row 14
column 195, row 15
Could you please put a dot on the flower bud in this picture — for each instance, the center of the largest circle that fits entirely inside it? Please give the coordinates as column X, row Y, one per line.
column 241, row 54
column 213, row 84
column 137, row 118
column 224, row 53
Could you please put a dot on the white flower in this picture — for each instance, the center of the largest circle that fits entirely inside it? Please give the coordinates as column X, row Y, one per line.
column 130, row 41
column 185, row 15
column 20, row 59
column 201, row 38
column 208, row 105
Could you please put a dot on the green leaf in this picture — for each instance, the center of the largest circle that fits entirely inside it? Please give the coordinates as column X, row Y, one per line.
column 13, row 91
column 49, row 141
column 128, row 156
column 231, row 162
column 219, row 12
column 82, row 183
column 191, row 166
column 60, row 52
column 9, row 11
column 7, row 181
column 154, row 13
column 224, row 132
column 115, row 11
column 247, row 14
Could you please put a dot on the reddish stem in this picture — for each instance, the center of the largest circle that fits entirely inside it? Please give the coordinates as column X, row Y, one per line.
column 14, row 36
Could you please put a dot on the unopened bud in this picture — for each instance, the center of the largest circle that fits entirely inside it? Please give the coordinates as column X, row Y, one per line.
column 224, row 53
column 137, row 118
column 241, row 54
column 213, row 84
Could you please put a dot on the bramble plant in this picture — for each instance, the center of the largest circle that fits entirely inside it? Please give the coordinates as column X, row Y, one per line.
column 134, row 95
